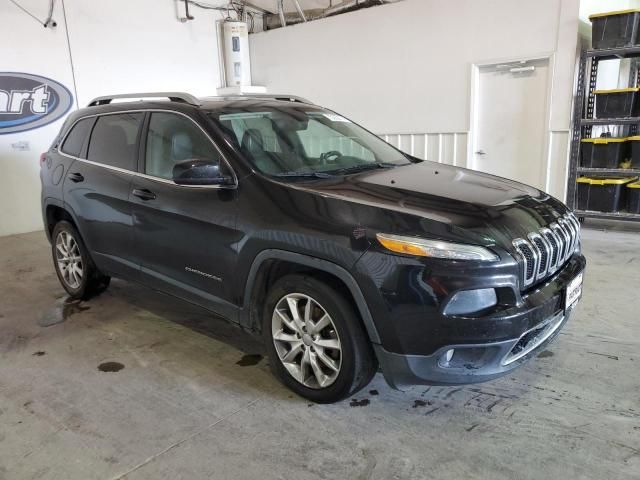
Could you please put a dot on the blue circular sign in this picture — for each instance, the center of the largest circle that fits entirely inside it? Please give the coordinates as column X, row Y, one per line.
column 30, row 101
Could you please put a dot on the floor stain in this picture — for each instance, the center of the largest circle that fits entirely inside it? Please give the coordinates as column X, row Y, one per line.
column 17, row 342
column 110, row 367
column 452, row 392
column 249, row 360
column 359, row 403
column 64, row 308
column 490, row 407
column 374, row 392
column 545, row 354
column 39, row 353
column 611, row 357
column 22, row 271
column 472, row 427
column 420, row 403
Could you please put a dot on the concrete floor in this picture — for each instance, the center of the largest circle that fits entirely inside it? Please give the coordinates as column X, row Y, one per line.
column 186, row 396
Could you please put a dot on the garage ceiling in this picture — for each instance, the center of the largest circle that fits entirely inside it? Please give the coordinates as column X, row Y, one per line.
column 271, row 5
column 306, row 5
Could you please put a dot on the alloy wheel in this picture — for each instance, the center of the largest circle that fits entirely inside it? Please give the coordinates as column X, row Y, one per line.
column 69, row 260
column 306, row 340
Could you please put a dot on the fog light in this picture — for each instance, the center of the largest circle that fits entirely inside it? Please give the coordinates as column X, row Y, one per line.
column 471, row 301
column 448, row 355
column 470, row 358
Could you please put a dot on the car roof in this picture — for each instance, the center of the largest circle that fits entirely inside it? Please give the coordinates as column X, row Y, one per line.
column 103, row 105
column 220, row 103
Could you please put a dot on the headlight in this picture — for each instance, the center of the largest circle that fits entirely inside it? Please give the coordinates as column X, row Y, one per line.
column 435, row 248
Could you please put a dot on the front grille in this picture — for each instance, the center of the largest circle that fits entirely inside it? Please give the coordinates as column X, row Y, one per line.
column 544, row 252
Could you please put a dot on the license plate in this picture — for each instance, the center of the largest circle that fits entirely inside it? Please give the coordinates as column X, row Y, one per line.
column 574, row 290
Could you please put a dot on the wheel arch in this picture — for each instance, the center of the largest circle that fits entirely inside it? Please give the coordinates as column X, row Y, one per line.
column 55, row 212
column 262, row 267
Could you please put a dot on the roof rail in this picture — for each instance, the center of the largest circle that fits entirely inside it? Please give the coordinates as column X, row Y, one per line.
column 266, row 96
column 173, row 96
column 290, row 98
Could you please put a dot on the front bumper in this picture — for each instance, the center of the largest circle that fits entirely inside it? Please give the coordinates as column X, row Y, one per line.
column 418, row 342
column 474, row 363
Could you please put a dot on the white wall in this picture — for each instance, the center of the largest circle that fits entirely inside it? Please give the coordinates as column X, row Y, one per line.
column 26, row 46
column 124, row 46
column 117, row 46
column 405, row 68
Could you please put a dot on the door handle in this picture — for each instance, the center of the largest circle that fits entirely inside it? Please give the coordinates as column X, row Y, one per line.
column 481, row 152
column 144, row 194
column 76, row 177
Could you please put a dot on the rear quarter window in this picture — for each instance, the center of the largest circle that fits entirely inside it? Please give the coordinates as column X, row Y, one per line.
column 75, row 139
column 114, row 139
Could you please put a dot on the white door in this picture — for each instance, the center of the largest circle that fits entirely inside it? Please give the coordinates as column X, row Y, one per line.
column 510, row 123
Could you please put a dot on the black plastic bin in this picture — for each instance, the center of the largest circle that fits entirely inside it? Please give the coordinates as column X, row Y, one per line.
column 634, row 153
column 603, row 194
column 621, row 102
column 633, row 197
column 615, row 29
column 604, row 152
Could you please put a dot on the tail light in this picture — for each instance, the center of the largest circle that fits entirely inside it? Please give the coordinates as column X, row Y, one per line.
column 43, row 158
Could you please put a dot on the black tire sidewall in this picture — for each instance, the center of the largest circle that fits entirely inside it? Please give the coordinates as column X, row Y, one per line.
column 88, row 270
column 347, row 326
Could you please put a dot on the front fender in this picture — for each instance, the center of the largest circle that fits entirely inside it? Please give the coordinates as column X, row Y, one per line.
column 316, row 264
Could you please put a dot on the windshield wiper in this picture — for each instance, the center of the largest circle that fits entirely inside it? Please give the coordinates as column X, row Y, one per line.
column 302, row 175
column 363, row 167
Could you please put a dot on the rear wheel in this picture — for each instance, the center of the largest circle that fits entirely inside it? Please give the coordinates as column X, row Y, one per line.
column 315, row 342
column 75, row 268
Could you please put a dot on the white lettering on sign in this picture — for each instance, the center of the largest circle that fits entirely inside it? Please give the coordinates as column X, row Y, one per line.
column 13, row 101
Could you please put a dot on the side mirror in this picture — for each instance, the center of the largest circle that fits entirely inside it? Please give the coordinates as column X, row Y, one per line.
column 199, row 172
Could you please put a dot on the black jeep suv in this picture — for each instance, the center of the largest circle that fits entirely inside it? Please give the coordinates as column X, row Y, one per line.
column 296, row 224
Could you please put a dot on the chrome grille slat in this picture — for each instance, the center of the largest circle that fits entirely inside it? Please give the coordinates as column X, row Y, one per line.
column 544, row 252
column 554, row 242
column 529, row 258
column 570, row 237
column 540, row 245
column 576, row 228
column 564, row 240
column 574, row 236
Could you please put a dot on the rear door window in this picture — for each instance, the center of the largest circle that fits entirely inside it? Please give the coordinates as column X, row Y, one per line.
column 75, row 139
column 114, row 140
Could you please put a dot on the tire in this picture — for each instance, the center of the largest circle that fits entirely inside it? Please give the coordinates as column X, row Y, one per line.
column 303, row 356
column 68, row 248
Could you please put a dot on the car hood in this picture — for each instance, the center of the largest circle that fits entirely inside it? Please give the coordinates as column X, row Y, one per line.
column 446, row 202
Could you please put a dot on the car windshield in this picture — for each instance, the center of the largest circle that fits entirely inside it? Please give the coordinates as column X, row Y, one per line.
column 301, row 141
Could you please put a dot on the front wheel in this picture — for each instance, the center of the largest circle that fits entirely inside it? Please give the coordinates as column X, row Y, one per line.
column 75, row 268
column 315, row 341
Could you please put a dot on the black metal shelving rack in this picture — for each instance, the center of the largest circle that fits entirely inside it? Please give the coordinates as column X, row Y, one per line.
column 583, row 122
